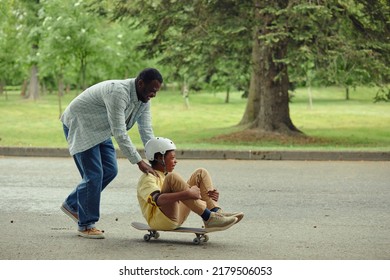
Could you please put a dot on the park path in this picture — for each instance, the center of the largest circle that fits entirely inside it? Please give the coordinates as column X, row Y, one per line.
column 293, row 210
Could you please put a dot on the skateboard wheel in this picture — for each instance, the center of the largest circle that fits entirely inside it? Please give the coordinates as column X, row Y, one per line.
column 205, row 238
column 156, row 235
column 146, row 237
column 196, row 240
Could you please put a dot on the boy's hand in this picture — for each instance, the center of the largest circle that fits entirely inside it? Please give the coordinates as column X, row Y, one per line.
column 214, row 195
column 194, row 192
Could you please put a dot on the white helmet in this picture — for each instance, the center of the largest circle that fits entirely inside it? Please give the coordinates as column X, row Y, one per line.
column 158, row 145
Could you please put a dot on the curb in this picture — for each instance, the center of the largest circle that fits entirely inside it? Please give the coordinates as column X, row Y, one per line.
column 220, row 154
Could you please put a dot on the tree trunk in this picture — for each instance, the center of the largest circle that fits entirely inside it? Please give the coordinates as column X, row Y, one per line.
column 310, row 96
column 268, row 103
column 185, row 94
column 60, row 84
column 2, row 87
column 33, row 88
column 83, row 72
column 23, row 89
column 253, row 103
column 227, row 98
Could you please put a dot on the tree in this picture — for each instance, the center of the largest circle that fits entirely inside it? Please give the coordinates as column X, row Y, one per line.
column 81, row 45
column 57, row 48
column 12, row 17
column 73, row 39
column 198, row 47
column 193, row 35
column 33, row 23
column 355, row 48
column 200, row 34
column 371, row 27
column 267, row 106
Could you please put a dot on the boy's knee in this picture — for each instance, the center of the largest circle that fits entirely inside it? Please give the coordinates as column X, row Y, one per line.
column 172, row 176
column 175, row 182
column 202, row 171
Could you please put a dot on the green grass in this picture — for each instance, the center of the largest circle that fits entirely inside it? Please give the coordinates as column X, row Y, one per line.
column 354, row 123
column 333, row 123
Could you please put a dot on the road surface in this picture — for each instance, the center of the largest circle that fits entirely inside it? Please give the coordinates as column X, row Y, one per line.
column 294, row 210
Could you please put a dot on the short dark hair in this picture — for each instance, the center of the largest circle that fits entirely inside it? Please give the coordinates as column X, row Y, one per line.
column 149, row 74
column 155, row 159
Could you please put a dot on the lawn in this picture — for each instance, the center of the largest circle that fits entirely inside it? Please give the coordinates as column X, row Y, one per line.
column 331, row 123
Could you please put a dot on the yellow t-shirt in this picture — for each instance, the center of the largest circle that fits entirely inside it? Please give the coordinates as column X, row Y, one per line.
column 155, row 218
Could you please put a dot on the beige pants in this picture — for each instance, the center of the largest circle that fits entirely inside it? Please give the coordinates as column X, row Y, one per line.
column 180, row 210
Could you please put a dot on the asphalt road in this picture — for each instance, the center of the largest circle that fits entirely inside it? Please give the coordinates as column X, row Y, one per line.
column 294, row 210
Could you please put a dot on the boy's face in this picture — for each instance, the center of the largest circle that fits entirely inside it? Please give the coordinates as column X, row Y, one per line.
column 170, row 161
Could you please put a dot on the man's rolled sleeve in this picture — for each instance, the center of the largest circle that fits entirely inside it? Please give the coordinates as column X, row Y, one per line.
column 128, row 149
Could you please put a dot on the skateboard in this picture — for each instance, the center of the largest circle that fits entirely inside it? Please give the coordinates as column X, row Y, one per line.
column 201, row 233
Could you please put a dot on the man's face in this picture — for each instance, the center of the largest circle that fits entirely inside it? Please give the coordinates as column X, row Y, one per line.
column 147, row 91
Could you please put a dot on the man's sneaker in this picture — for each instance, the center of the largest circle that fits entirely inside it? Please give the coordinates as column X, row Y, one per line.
column 218, row 222
column 238, row 215
column 92, row 233
column 67, row 211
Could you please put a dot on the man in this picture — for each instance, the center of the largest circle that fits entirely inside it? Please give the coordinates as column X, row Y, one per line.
column 109, row 108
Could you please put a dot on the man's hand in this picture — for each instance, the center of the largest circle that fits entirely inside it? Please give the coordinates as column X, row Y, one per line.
column 146, row 168
column 214, row 195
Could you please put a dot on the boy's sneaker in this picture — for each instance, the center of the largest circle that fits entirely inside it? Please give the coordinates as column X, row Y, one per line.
column 218, row 222
column 92, row 233
column 67, row 211
column 238, row 215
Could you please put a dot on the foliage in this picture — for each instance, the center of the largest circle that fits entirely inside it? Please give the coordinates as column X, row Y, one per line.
column 78, row 43
column 71, row 34
column 202, row 43
column 13, row 48
column 333, row 42
column 383, row 94
column 347, row 44
column 272, row 42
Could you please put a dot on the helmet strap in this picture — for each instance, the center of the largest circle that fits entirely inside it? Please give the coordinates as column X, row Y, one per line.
column 165, row 166
column 162, row 162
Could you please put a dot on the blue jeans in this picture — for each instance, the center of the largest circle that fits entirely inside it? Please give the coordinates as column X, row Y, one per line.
column 97, row 167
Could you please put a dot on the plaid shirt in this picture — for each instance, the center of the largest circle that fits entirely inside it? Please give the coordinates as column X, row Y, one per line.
column 109, row 108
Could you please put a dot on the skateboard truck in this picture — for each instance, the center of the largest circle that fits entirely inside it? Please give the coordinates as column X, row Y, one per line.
column 197, row 240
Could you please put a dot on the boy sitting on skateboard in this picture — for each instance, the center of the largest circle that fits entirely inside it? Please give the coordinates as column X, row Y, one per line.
column 167, row 200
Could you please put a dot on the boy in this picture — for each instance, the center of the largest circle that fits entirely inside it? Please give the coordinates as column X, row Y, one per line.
column 167, row 200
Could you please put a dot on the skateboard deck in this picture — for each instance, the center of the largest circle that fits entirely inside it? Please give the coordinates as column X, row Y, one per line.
column 201, row 233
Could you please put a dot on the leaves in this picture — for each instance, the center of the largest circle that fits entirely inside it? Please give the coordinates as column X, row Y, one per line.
column 204, row 40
